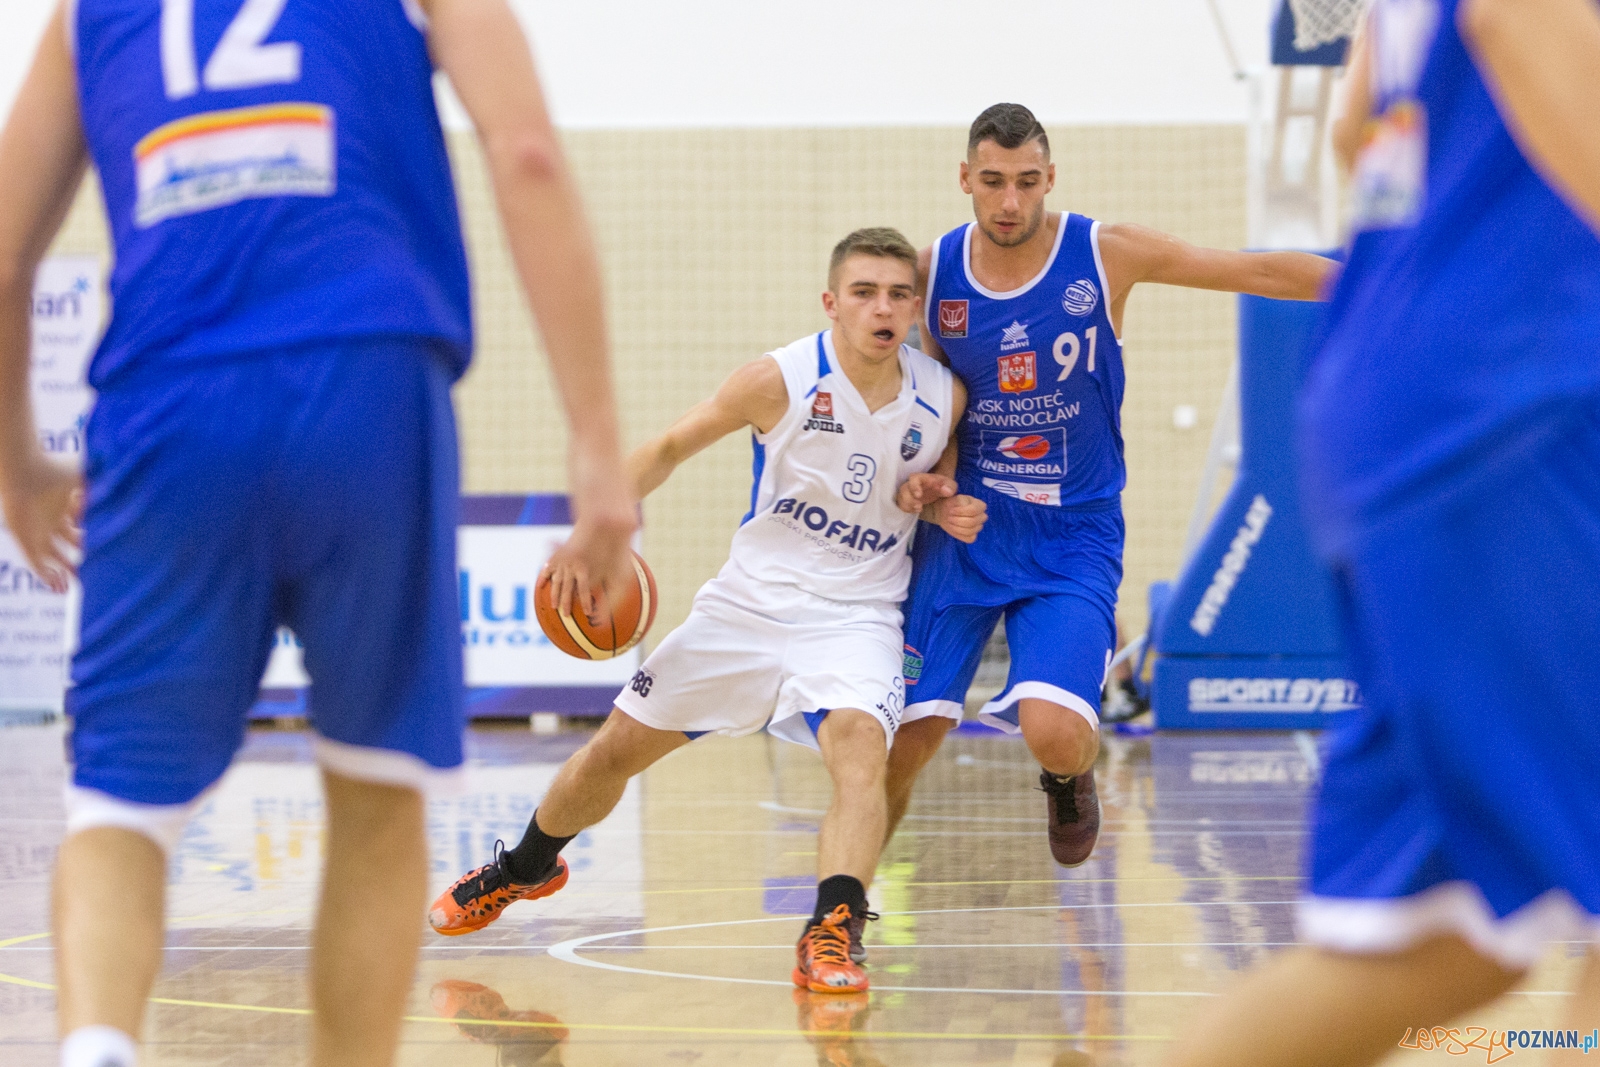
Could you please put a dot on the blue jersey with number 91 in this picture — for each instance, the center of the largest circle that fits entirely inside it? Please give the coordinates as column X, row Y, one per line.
column 1043, row 370
column 274, row 176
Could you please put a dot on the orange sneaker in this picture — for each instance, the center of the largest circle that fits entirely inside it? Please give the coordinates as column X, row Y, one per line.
column 822, row 958
column 482, row 1016
column 833, row 1023
column 478, row 898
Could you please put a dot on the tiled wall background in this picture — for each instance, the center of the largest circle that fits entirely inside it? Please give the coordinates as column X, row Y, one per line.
column 715, row 245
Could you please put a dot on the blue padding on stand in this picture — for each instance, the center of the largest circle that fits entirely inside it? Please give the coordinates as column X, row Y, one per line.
column 1276, row 599
column 1247, row 635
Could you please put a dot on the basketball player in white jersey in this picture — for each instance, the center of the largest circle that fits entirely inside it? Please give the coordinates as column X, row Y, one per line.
column 800, row 632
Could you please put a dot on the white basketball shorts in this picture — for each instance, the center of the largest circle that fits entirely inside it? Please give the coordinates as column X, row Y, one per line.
column 731, row 670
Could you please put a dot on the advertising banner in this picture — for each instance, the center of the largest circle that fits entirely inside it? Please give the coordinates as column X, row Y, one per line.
column 512, row 669
column 68, row 310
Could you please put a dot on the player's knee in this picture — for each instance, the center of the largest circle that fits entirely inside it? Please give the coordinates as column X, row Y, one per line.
column 916, row 742
column 90, row 809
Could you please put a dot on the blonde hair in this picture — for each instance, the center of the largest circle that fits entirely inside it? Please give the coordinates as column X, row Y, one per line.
column 885, row 241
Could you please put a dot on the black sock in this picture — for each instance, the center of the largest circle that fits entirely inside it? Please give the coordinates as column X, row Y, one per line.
column 840, row 889
column 531, row 860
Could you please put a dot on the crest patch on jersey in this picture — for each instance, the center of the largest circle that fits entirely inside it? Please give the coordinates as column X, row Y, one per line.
column 1019, row 372
column 952, row 318
column 822, row 405
column 1080, row 298
column 911, row 443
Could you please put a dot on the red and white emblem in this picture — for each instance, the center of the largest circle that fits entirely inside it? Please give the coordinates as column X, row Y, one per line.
column 1030, row 447
column 952, row 318
column 822, row 406
column 1018, row 372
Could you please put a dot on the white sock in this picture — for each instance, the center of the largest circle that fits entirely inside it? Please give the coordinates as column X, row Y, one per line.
column 97, row 1046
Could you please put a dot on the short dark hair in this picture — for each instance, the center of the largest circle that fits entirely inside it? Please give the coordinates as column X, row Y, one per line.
column 1007, row 125
column 871, row 241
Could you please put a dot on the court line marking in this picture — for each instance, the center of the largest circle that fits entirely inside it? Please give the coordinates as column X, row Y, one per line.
column 703, row 1031
column 785, row 809
column 786, row 946
column 567, row 952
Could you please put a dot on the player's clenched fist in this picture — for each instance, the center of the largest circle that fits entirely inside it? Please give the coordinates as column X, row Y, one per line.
column 960, row 516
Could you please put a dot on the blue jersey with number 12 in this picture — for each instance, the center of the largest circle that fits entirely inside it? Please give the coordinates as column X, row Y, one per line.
column 1043, row 370
column 274, row 176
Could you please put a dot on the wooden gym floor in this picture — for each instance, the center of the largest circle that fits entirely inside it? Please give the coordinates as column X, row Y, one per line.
column 673, row 942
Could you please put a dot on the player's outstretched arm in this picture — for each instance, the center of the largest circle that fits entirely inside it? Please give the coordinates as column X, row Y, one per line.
column 480, row 45
column 1134, row 254
column 1541, row 60
column 42, row 156
column 753, row 396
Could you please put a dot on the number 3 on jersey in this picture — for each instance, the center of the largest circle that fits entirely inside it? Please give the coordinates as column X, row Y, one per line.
column 240, row 61
column 858, row 488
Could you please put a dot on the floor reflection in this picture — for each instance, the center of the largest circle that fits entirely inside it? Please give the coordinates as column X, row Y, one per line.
column 674, row 941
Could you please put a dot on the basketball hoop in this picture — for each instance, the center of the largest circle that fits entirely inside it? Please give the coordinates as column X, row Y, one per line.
column 1320, row 22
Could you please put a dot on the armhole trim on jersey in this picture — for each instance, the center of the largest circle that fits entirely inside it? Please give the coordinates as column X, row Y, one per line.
column 1031, row 283
column 929, row 302
column 69, row 26
column 758, row 471
column 415, row 15
column 1100, row 268
column 789, row 390
column 823, row 369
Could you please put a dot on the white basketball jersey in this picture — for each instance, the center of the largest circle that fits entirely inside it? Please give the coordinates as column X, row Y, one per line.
column 822, row 516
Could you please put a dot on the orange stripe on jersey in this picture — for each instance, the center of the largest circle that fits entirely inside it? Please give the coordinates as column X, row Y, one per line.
column 235, row 119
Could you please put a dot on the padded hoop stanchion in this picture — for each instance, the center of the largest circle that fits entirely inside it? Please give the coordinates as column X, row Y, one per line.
column 1247, row 634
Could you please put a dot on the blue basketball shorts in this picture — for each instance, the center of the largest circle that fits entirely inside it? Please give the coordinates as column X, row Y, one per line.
column 315, row 489
column 1052, row 573
column 1465, row 797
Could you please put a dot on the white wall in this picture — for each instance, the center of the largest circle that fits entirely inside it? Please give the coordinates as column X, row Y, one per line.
column 626, row 63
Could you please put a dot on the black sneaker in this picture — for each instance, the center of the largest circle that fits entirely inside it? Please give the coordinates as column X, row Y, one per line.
column 857, row 927
column 1074, row 816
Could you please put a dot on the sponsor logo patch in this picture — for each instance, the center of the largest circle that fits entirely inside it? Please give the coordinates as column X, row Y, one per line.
column 1024, row 455
column 911, row 665
column 1019, row 372
column 1014, row 337
column 221, row 157
column 952, row 318
column 642, row 681
column 911, row 443
column 1030, row 447
column 1048, row 495
column 822, row 415
column 795, row 513
column 1080, row 298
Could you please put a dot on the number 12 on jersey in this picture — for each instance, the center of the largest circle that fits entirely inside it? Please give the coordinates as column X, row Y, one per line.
column 240, row 61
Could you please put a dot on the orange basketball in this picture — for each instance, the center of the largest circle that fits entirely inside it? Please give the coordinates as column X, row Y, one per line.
column 620, row 622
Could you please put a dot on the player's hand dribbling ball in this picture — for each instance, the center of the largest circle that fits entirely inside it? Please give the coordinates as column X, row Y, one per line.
column 620, row 621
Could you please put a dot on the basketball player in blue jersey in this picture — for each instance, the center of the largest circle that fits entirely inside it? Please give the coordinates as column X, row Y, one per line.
column 1026, row 305
column 273, row 442
column 1450, row 447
